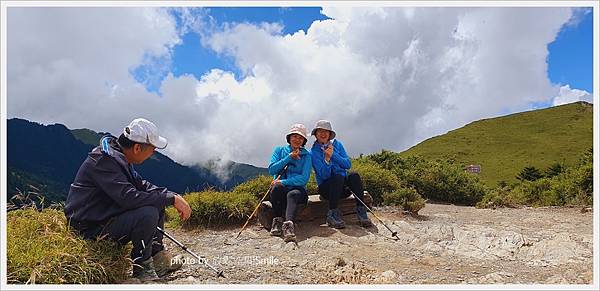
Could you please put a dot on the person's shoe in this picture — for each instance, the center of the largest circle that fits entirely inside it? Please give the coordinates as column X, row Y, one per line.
column 288, row 231
column 334, row 219
column 363, row 217
column 165, row 263
column 276, row 226
column 339, row 217
column 144, row 271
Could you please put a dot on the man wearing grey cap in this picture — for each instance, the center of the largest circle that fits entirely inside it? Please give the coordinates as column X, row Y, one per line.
column 109, row 198
column 331, row 165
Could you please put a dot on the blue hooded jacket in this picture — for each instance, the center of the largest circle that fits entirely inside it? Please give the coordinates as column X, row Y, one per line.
column 298, row 171
column 338, row 165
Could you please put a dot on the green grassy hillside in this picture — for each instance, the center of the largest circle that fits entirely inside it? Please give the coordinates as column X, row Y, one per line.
column 503, row 146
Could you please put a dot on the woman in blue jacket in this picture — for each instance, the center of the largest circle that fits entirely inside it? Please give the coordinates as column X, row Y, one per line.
column 331, row 164
column 289, row 190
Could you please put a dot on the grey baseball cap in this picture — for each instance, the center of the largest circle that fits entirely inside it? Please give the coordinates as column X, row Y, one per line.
column 323, row 124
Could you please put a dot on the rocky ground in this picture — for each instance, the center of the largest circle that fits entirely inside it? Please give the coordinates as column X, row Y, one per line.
column 445, row 244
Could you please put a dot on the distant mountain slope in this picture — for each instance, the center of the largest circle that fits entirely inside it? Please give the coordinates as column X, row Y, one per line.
column 235, row 173
column 48, row 157
column 503, row 146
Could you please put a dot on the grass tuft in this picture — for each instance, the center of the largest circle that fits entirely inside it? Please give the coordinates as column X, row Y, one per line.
column 42, row 249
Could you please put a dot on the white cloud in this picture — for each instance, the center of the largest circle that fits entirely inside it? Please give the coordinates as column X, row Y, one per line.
column 72, row 65
column 385, row 77
column 568, row 95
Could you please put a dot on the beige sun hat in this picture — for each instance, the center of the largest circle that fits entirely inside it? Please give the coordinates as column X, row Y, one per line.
column 297, row 128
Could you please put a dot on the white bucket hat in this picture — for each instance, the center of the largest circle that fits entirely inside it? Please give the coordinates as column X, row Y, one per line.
column 324, row 124
column 297, row 128
column 143, row 131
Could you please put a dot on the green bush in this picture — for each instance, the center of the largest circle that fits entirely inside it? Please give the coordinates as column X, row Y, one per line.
column 442, row 180
column 376, row 180
column 529, row 173
column 213, row 208
column 554, row 170
column 408, row 198
column 534, row 193
column 311, row 186
column 575, row 186
column 42, row 249
column 565, row 186
column 498, row 197
column 256, row 187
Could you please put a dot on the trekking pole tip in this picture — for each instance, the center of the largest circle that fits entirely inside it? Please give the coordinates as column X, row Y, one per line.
column 220, row 274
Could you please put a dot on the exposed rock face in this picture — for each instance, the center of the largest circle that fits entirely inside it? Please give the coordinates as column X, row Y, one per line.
column 445, row 245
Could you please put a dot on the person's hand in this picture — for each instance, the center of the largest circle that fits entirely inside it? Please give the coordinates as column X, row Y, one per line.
column 276, row 183
column 328, row 152
column 182, row 207
column 295, row 154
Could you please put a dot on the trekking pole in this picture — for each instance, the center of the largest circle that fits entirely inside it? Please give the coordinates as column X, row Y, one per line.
column 200, row 259
column 261, row 200
column 394, row 233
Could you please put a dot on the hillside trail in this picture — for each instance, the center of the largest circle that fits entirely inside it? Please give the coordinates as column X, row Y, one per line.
column 445, row 244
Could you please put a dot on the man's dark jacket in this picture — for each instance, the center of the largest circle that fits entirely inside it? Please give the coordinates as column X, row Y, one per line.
column 106, row 186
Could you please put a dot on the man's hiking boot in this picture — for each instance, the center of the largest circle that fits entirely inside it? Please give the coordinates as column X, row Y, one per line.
column 276, row 226
column 288, row 231
column 363, row 218
column 144, row 271
column 334, row 218
column 165, row 263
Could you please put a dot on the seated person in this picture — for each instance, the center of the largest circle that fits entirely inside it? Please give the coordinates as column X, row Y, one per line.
column 331, row 163
column 110, row 199
column 289, row 190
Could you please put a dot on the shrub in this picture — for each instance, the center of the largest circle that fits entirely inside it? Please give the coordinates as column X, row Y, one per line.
column 529, row 173
column 441, row 180
column 42, row 249
column 376, row 179
column 408, row 198
column 212, row 208
column 257, row 187
column 554, row 170
column 575, row 186
column 311, row 186
column 498, row 197
column 533, row 193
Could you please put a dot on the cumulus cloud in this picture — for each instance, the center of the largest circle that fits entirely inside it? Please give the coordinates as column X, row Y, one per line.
column 385, row 77
column 568, row 95
column 72, row 65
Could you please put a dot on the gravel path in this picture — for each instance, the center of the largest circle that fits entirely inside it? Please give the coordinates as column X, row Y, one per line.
column 445, row 244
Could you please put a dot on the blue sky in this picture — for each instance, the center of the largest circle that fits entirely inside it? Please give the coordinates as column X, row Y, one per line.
column 569, row 59
column 190, row 57
column 571, row 54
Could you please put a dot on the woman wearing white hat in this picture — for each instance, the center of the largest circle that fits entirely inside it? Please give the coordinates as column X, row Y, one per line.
column 290, row 190
column 331, row 165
